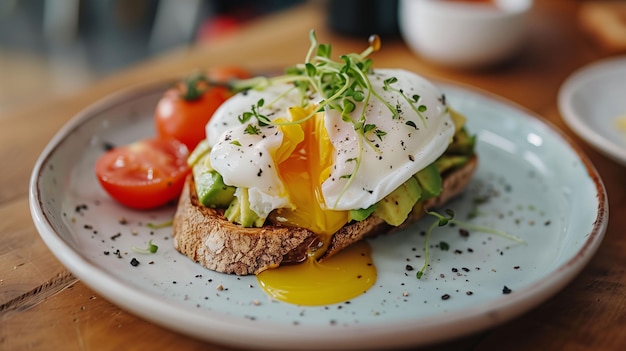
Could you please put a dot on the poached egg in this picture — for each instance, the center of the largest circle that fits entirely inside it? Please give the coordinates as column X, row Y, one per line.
column 389, row 155
column 306, row 164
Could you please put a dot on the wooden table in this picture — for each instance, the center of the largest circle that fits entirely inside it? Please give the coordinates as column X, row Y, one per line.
column 42, row 306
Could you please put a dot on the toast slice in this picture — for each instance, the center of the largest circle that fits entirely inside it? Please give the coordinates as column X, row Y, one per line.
column 205, row 236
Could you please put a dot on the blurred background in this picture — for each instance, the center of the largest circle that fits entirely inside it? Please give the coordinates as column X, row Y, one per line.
column 57, row 46
column 54, row 47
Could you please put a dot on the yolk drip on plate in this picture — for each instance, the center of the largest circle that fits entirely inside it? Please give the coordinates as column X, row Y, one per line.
column 341, row 277
column 337, row 279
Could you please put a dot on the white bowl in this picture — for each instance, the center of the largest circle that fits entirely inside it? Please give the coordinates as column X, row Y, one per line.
column 462, row 33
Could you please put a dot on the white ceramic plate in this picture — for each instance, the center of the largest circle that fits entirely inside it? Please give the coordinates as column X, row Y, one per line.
column 531, row 182
column 592, row 100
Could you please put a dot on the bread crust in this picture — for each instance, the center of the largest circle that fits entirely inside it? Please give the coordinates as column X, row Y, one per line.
column 205, row 236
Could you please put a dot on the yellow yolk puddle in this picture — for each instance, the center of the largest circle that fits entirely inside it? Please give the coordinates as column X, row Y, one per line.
column 341, row 277
column 337, row 279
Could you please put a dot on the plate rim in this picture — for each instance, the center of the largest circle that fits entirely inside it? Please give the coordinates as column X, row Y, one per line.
column 395, row 334
column 572, row 83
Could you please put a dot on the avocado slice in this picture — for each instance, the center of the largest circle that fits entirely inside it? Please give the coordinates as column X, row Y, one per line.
column 457, row 118
column 430, row 181
column 199, row 153
column 446, row 163
column 210, row 187
column 395, row 207
column 361, row 213
column 239, row 211
column 462, row 143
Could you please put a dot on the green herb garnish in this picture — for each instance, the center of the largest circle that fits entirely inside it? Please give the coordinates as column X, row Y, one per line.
column 252, row 129
column 443, row 221
column 149, row 250
column 262, row 120
column 160, row 225
column 413, row 100
column 342, row 85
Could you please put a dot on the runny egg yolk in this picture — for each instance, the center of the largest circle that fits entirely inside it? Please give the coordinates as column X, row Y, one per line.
column 341, row 277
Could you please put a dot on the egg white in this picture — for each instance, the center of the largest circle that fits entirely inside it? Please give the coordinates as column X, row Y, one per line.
column 410, row 144
column 402, row 152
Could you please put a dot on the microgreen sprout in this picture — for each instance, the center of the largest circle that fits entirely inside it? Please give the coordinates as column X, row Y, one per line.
column 160, row 225
column 262, row 120
column 343, row 85
column 149, row 250
column 252, row 129
column 413, row 100
column 380, row 134
column 443, row 221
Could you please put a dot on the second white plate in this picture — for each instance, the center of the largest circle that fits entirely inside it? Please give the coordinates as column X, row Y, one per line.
column 592, row 102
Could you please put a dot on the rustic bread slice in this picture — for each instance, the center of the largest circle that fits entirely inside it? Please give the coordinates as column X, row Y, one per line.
column 205, row 236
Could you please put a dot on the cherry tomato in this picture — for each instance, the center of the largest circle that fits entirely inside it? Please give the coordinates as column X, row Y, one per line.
column 184, row 119
column 183, row 111
column 145, row 174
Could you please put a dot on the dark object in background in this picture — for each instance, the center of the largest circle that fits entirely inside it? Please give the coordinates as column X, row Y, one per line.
column 363, row 17
column 107, row 35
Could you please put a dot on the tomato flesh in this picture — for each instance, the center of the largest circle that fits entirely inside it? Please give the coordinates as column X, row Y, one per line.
column 145, row 174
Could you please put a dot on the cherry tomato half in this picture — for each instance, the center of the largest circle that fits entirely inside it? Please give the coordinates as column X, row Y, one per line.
column 145, row 174
column 183, row 111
